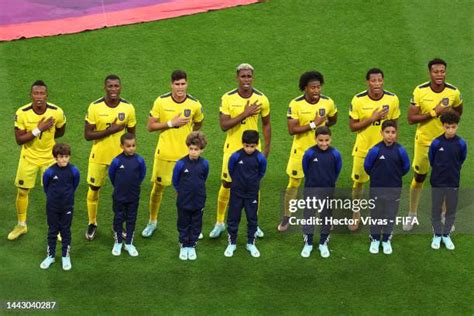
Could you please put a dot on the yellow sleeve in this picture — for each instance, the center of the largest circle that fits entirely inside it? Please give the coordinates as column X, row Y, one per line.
column 224, row 108
column 396, row 111
column 60, row 119
column 155, row 110
column 198, row 115
column 293, row 110
column 265, row 107
column 20, row 120
column 354, row 109
column 457, row 99
column 132, row 119
column 415, row 99
column 332, row 108
column 90, row 116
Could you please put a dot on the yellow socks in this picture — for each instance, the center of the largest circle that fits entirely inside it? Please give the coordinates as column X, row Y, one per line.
column 222, row 201
column 415, row 194
column 156, row 196
column 291, row 193
column 21, row 205
column 92, row 205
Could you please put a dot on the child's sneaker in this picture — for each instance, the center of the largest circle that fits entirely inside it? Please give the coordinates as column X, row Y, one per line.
column 259, row 233
column 149, row 229
column 253, row 250
column 374, row 246
column 117, row 249
column 436, row 242
column 229, row 251
column 47, row 262
column 324, row 250
column 387, row 247
column 306, row 252
column 192, row 255
column 66, row 263
column 183, row 253
column 217, row 230
column 448, row 243
column 132, row 251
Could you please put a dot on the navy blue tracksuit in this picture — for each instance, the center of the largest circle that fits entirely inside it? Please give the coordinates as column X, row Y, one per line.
column 126, row 174
column 246, row 172
column 321, row 169
column 446, row 159
column 59, row 184
column 386, row 165
column 189, row 181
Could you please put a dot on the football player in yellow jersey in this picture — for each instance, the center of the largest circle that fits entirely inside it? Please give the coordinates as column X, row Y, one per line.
column 175, row 115
column 305, row 114
column 239, row 111
column 106, row 121
column 429, row 101
column 37, row 125
column 368, row 110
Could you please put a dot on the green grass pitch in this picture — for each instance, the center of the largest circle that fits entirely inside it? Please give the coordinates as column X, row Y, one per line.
column 281, row 39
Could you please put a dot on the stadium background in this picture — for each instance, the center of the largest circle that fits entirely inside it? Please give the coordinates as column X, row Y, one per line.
column 281, row 39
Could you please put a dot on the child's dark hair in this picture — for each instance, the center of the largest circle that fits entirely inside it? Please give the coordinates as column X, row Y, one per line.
column 308, row 77
column 450, row 117
column 197, row 139
column 250, row 137
column 61, row 149
column 323, row 130
column 126, row 136
column 389, row 123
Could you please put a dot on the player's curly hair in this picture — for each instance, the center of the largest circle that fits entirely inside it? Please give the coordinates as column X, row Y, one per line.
column 310, row 76
column 197, row 139
column 39, row 83
column 450, row 117
column 178, row 75
column 373, row 71
column 436, row 61
column 111, row 77
column 61, row 149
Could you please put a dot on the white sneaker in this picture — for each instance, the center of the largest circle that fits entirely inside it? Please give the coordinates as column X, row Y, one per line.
column 253, row 250
column 66, row 263
column 47, row 262
column 192, row 255
column 307, row 249
column 132, row 251
column 324, row 250
column 183, row 253
column 387, row 247
column 117, row 249
column 448, row 243
column 436, row 242
column 201, row 236
column 374, row 246
column 411, row 219
column 229, row 251
column 259, row 233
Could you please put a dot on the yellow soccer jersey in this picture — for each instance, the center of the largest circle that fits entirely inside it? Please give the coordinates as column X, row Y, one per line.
column 39, row 150
column 102, row 116
column 233, row 104
column 305, row 112
column 362, row 107
column 426, row 99
column 172, row 142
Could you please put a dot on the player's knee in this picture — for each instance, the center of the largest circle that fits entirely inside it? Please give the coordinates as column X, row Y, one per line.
column 420, row 178
column 293, row 183
column 23, row 193
column 94, row 188
column 226, row 184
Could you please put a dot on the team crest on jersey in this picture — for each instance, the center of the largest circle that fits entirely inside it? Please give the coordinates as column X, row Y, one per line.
column 187, row 112
column 121, row 116
column 385, row 107
column 322, row 112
